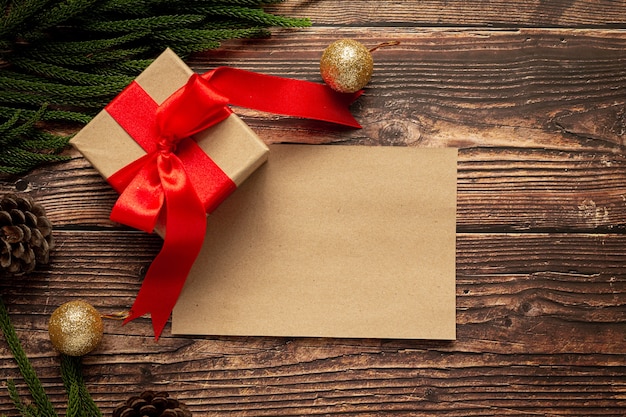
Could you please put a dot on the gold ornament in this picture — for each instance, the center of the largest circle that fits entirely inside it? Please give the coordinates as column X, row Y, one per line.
column 346, row 66
column 75, row 328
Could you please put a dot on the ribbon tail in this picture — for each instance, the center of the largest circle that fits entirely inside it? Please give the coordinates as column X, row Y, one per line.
column 284, row 96
column 184, row 234
column 160, row 290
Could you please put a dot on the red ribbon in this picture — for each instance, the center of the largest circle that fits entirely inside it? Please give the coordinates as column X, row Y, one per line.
column 178, row 180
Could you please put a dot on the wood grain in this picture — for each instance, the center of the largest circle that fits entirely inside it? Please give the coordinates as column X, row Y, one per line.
column 533, row 95
column 519, row 13
column 462, row 88
column 499, row 189
column 529, row 326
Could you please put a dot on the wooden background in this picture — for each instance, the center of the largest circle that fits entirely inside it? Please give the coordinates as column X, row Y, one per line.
column 533, row 94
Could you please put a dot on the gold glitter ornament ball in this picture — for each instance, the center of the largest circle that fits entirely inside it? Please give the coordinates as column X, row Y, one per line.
column 346, row 66
column 75, row 328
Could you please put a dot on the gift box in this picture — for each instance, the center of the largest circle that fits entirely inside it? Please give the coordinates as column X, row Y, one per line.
column 216, row 161
column 231, row 144
column 173, row 149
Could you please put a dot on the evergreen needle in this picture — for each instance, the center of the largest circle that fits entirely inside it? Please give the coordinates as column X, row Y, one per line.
column 74, row 56
column 44, row 406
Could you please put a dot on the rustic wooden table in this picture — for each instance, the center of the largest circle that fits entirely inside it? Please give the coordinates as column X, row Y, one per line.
column 533, row 94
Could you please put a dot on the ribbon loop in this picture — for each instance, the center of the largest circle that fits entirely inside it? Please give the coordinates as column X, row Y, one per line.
column 191, row 109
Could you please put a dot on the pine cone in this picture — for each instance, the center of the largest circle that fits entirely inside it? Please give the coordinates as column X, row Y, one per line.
column 152, row 404
column 25, row 235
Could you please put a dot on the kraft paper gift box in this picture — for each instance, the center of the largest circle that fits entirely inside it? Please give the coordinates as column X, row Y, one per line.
column 215, row 162
column 231, row 144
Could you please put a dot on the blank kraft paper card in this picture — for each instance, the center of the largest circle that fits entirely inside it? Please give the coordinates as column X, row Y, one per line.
column 331, row 241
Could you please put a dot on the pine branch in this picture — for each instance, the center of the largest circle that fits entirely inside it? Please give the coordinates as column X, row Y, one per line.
column 50, row 115
column 131, row 66
column 80, row 403
column 75, row 55
column 23, row 409
column 252, row 15
column 146, row 23
column 95, row 58
column 132, row 7
column 11, row 130
column 60, row 73
column 44, row 406
column 18, row 13
column 90, row 46
column 60, row 13
column 61, row 92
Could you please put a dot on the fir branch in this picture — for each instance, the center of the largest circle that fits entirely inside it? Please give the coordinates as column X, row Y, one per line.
column 131, row 7
column 255, row 3
column 147, row 23
column 187, row 41
column 90, row 46
column 258, row 16
column 78, row 54
column 17, row 161
column 12, row 121
column 33, row 100
column 131, row 66
column 73, row 402
column 185, row 48
column 60, row 73
column 44, row 406
column 228, row 23
column 44, row 141
column 17, row 155
column 17, row 14
column 95, row 58
column 61, row 92
column 203, row 35
column 80, row 403
column 50, row 115
column 59, row 13
column 19, row 75
column 12, row 132
column 17, row 401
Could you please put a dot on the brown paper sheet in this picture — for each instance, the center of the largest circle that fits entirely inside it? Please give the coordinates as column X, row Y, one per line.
column 331, row 241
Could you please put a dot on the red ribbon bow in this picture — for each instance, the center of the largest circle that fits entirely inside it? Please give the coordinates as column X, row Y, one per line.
column 178, row 180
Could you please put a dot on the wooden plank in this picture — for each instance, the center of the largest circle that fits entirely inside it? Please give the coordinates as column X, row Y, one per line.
column 558, row 89
column 509, row 189
column 533, row 155
column 540, row 328
column 499, row 189
column 538, row 115
column 520, row 13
